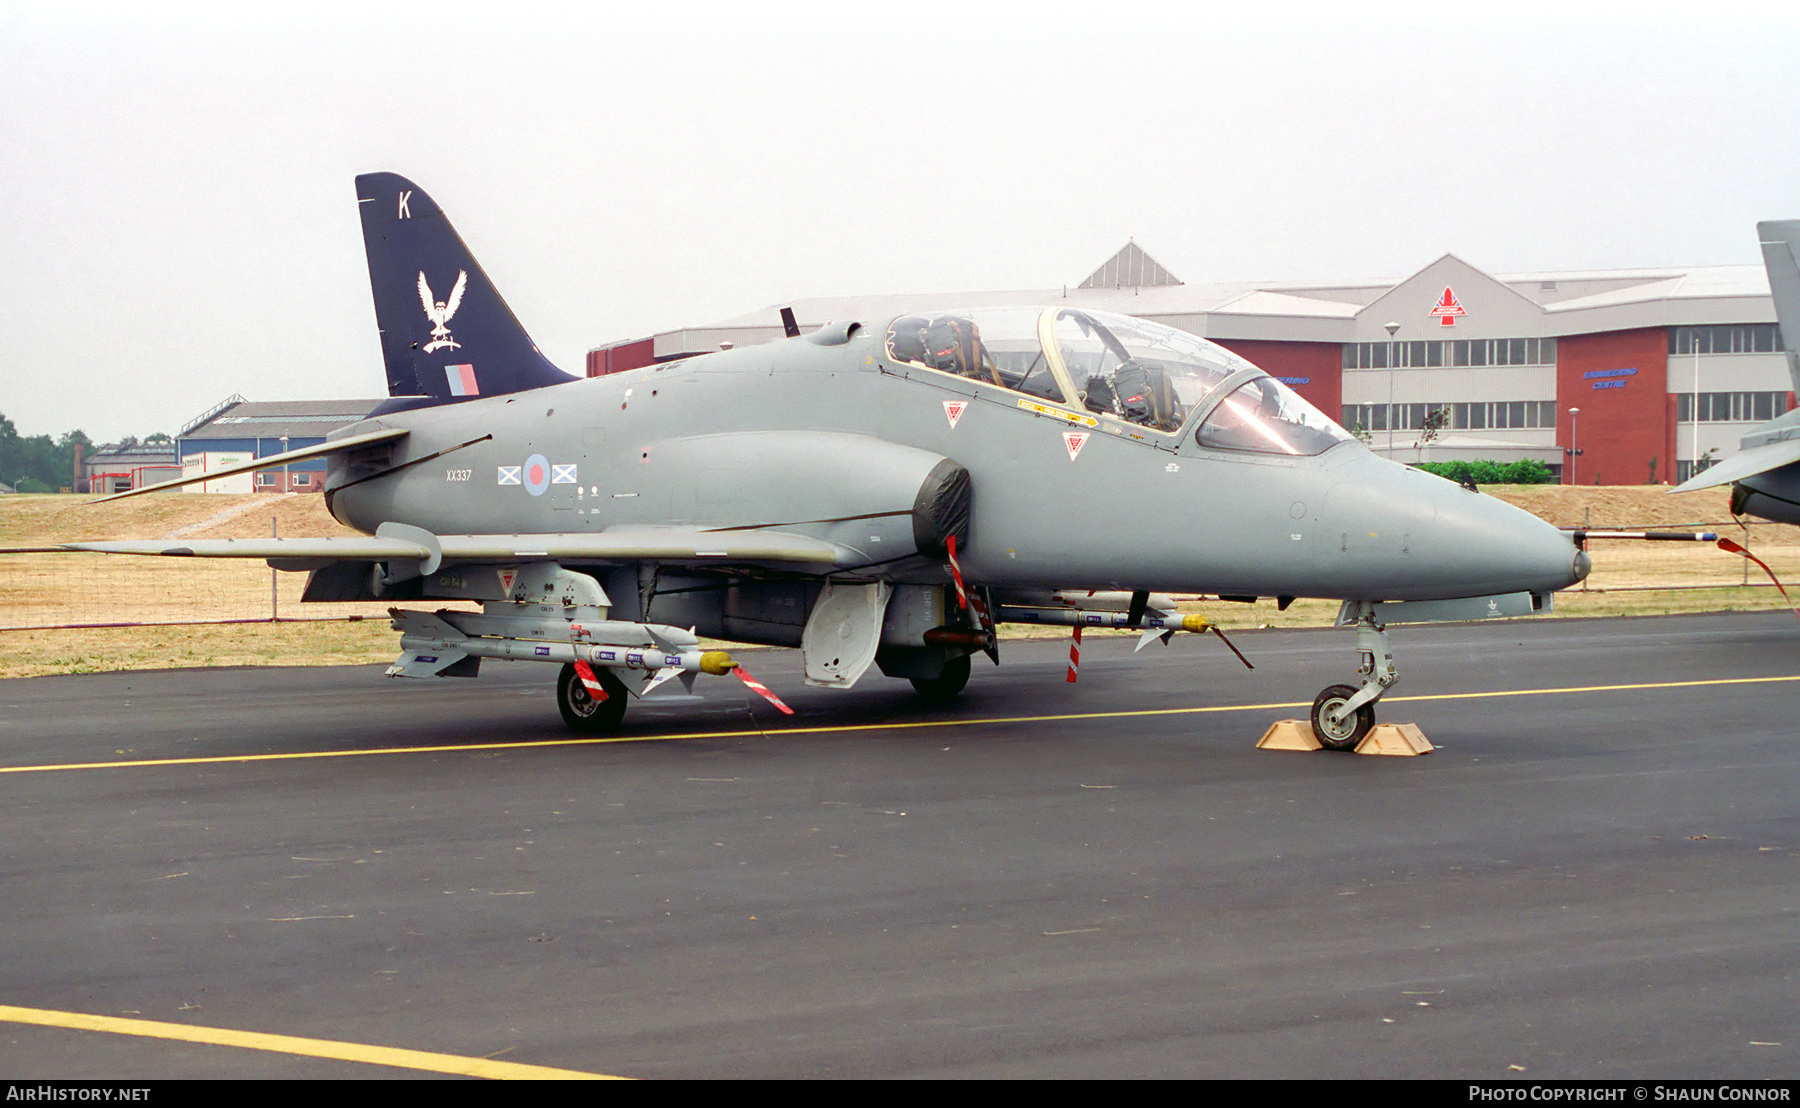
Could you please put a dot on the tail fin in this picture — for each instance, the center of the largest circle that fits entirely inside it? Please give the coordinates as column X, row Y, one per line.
column 1781, row 256
column 445, row 332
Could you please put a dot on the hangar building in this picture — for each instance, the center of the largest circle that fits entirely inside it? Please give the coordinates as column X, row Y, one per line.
column 238, row 430
column 121, row 467
column 1641, row 371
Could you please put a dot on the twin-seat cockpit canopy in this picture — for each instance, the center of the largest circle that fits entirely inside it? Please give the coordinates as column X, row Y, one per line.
column 1119, row 369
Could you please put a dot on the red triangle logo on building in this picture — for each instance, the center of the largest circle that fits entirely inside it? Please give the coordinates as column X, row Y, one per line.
column 1447, row 308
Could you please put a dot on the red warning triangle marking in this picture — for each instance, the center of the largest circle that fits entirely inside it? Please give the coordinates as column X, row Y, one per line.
column 953, row 410
column 1074, row 440
column 1447, row 308
column 507, row 577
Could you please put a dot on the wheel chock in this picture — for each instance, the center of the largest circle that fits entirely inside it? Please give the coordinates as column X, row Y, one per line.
column 1402, row 739
column 1289, row 734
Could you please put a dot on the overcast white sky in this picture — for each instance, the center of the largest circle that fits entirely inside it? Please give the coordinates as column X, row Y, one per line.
column 178, row 222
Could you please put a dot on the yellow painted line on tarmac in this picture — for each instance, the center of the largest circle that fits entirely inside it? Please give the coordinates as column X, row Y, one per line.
column 842, row 728
column 1594, row 688
column 291, row 1044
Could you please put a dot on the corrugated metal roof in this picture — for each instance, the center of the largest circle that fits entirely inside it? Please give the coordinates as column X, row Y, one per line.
column 1316, row 311
column 1266, row 302
column 1274, row 298
column 271, row 419
column 1131, row 267
column 138, row 452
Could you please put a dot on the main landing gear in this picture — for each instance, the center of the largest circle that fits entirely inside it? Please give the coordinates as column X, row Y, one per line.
column 581, row 709
column 1342, row 716
column 945, row 685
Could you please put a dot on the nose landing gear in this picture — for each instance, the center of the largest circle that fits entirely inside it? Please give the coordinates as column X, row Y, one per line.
column 1342, row 716
column 1336, row 727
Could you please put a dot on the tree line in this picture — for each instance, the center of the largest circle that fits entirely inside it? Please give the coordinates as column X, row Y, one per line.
column 38, row 463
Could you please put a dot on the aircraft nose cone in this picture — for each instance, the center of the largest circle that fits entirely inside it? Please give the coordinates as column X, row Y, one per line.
column 1415, row 536
column 1497, row 548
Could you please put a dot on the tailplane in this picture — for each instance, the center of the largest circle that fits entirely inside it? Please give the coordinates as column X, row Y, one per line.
column 446, row 333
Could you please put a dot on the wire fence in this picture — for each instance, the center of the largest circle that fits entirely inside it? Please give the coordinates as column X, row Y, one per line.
column 68, row 590
column 52, row 589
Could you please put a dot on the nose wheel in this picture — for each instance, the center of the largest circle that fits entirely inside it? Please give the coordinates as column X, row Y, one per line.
column 1342, row 716
column 1335, row 728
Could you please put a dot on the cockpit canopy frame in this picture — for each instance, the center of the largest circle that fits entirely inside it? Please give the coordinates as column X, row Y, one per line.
column 1130, row 374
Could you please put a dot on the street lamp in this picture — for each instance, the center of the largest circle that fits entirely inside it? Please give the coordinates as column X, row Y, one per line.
column 1694, row 407
column 1390, row 327
column 1574, row 448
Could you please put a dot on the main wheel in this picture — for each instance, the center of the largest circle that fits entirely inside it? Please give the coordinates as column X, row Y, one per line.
column 579, row 708
column 947, row 683
column 1346, row 733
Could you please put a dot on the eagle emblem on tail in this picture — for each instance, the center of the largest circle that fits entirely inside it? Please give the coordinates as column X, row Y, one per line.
column 440, row 311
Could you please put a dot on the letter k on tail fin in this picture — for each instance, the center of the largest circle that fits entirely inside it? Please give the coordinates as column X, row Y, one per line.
column 445, row 331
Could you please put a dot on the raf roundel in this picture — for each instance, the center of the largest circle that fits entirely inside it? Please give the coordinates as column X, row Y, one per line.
column 537, row 474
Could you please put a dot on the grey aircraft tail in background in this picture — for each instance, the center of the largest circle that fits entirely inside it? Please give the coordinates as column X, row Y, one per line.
column 1765, row 476
column 875, row 493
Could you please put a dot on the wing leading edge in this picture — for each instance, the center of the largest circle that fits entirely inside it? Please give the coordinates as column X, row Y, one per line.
column 775, row 548
column 273, row 461
column 1755, row 460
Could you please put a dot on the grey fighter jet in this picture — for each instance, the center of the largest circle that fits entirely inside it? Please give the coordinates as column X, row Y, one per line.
column 1765, row 477
column 876, row 492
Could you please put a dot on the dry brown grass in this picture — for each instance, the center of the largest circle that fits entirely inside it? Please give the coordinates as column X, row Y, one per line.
column 26, row 520
column 68, row 588
column 1623, row 564
column 1629, row 578
column 39, row 590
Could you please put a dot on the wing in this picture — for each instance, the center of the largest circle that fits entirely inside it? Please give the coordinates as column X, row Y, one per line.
column 682, row 546
column 1755, row 460
column 273, row 461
